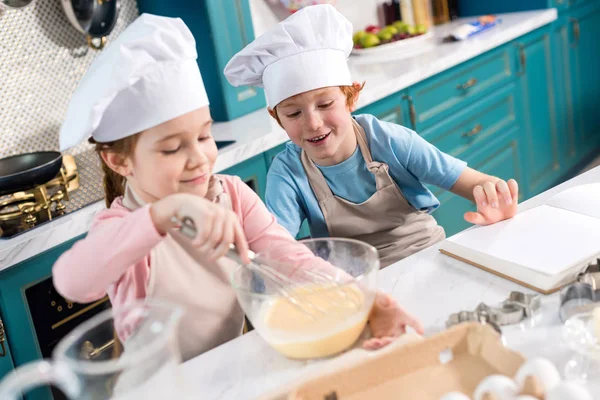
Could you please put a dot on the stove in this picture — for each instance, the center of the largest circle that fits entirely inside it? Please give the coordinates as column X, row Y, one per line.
column 25, row 210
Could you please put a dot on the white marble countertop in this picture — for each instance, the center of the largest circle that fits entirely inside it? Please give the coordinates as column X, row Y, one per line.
column 430, row 285
column 257, row 132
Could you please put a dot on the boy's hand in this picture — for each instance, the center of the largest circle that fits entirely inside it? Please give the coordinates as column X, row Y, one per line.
column 495, row 202
column 388, row 321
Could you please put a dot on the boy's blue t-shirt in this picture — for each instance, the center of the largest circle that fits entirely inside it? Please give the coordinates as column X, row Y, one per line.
column 413, row 162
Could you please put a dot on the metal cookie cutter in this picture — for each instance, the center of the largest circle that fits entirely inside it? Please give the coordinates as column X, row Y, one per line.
column 529, row 303
column 506, row 314
column 577, row 298
column 480, row 316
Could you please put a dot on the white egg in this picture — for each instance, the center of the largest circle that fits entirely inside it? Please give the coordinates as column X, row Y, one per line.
column 455, row 396
column 568, row 391
column 545, row 372
column 500, row 386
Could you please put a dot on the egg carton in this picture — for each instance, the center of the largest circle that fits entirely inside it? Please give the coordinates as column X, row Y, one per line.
column 536, row 379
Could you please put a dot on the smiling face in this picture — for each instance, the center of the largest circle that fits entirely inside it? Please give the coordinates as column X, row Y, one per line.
column 174, row 157
column 319, row 121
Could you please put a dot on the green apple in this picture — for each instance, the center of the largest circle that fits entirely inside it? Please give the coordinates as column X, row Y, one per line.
column 391, row 28
column 369, row 40
column 421, row 29
column 358, row 36
column 400, row 26
column 411, row 30
column 385, row 34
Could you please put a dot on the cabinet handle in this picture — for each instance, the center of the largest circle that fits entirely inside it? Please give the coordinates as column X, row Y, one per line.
column 412, row 111
column 522, row 59
column 470, row 83
column 2, row 340
column 478, row 128
column 576, row 31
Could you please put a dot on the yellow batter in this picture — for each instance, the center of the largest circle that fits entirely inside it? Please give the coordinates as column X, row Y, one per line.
column 295, row 334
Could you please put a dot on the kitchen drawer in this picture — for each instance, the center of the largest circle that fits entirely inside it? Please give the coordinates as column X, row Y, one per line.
column 499, row 158
column 447, row 93
column 476, row 124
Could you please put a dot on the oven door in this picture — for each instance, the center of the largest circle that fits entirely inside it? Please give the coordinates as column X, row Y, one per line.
column 35, row 316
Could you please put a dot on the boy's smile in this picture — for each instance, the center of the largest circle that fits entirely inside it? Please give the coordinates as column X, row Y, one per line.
column 319, row 121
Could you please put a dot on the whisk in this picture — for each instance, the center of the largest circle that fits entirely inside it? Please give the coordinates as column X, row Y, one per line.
column 283, row 283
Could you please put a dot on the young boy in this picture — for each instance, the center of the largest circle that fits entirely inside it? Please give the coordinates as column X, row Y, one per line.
column 355, row 177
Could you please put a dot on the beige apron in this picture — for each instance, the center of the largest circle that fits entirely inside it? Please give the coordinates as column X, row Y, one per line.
column 212, row 313
column 386, row 220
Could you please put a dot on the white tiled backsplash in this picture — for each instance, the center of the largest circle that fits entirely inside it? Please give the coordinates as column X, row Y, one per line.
column 359, row 12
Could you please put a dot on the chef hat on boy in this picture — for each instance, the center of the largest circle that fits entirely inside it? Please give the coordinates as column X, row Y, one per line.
column 147, row 76
column 308, row 50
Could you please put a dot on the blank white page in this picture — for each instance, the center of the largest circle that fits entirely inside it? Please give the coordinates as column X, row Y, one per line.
column 545, row 239
column 584, row 199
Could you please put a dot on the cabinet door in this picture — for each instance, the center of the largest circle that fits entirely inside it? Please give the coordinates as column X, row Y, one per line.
column 499, row 158
column 567, row 115
column 389, row 109
column 539, row 134
column 584, row 58
column 253, row 172
column 18, row 322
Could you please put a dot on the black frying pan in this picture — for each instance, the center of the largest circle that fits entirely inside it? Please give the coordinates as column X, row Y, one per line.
column 94, row 18
column 25, row 171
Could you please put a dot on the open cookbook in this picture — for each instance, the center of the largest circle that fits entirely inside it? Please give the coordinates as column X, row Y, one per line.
column 543, row 248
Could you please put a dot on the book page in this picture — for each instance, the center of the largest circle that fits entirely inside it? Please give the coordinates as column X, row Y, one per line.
column 545, row 239
column 583, row 199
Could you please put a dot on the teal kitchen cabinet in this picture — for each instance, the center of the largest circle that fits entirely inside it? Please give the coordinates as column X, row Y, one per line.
column 253, row 172
column 441, row 96
column 221, row 29
column 35, row 316
column 390, row 109
column 539, row 136
column 568, row 113
column 584, row 57
column 500, row 157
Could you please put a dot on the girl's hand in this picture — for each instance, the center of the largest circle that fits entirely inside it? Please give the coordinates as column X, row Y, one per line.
column 216, row 227
column 388, row 320
column 495, row 202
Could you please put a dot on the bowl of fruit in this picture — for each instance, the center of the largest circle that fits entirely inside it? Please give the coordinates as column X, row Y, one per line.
column 398, row 37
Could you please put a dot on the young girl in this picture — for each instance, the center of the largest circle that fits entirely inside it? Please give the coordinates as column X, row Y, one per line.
column 144, row 104
column 351, row 177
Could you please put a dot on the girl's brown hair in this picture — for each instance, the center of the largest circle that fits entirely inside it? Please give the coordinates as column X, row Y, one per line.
column 114, row 183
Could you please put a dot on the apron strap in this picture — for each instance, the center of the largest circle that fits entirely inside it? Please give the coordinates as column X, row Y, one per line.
column 315, row 178
column 317, row 181
column 382, row 179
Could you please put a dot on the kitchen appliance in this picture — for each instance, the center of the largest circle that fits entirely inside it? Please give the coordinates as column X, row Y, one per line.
column 35, row 195
column 94, row 18
column 14, row 3
column 92, row 363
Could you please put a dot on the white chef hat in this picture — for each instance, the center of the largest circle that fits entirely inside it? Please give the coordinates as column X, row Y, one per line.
column 308, row 50
column 147, row 76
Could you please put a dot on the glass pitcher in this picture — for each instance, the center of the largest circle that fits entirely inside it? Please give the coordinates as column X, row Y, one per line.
column 92, row 363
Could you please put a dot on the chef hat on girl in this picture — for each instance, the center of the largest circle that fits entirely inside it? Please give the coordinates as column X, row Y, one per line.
column 309, row 50
column 147, row 76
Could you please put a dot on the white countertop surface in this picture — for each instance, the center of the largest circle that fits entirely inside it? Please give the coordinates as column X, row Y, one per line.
column 431, row 286
column 257, row 132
